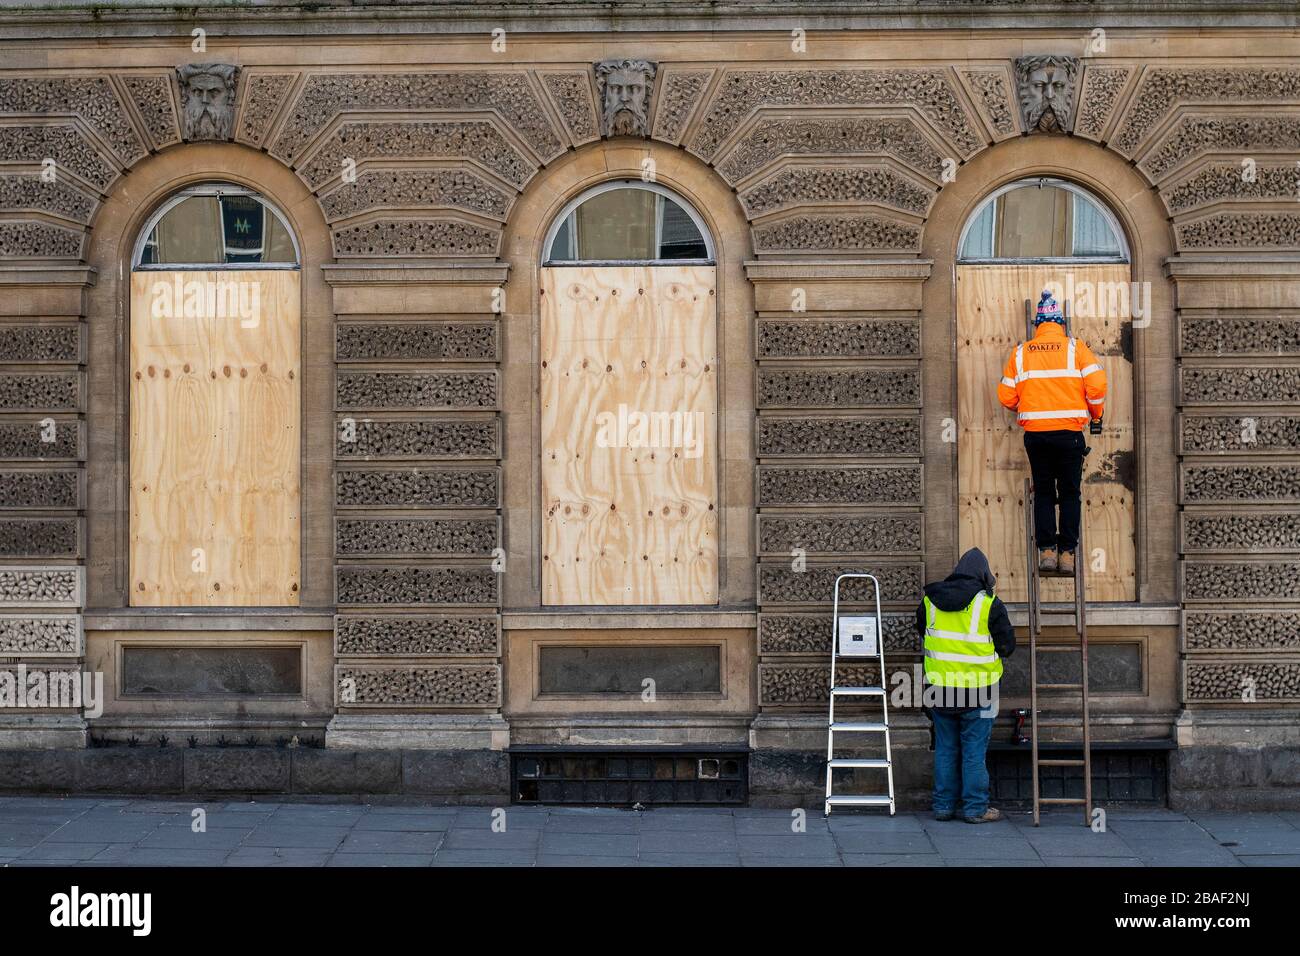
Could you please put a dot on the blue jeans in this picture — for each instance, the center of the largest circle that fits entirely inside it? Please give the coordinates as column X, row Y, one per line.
column 960, row 742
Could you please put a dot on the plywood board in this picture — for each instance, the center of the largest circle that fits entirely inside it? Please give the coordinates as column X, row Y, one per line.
column 991, row 461
column 629, row 435
column 215, row 422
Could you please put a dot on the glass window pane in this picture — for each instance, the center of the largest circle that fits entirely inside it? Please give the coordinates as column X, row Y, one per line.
column 1033, row 223
column 243, row 228
column 190, row 232
column 562, row 245
column 979, row 237
column 1041, row 221
column 678, row 236
column 233, row 229
column 618, row 224
column 1093, row 235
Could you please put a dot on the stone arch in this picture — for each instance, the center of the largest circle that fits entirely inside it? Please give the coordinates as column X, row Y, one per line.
column 125, row 210
column 1145, row 222
column 545, row 196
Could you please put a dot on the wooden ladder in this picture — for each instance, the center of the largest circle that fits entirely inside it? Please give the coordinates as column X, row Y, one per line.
column 1081, row 628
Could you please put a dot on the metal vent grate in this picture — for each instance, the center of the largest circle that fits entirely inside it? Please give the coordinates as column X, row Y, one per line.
column 627, row 777
column 1118, row 776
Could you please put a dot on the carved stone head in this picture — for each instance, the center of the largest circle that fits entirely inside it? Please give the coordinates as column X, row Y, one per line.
column 207, row 100
column 1045, row 85
column 624, row 87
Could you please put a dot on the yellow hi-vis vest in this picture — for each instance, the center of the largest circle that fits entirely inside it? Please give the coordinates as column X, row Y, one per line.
column 958, row 647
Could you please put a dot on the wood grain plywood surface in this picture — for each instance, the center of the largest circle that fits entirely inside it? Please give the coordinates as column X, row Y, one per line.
column 215, row 423
column 991, row 460
column 629, row 391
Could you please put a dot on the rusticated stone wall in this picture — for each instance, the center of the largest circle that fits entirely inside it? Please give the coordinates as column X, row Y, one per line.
column 842, row 162
column 839, row 482
column 42, row 450
column 1239, row 483
column 417, row 491
column 833, row 166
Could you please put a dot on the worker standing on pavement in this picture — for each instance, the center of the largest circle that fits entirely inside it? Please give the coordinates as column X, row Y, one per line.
column 966, row 634
column 1055, row 385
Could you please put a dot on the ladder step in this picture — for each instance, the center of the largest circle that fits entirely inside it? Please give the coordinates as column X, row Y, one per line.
column 1060, row 687
column 856, row 800
column 858, row 691
column 1060, row 763
column 1058, row 648
column 859, row 728
column 874, row 763
column 1070, row 800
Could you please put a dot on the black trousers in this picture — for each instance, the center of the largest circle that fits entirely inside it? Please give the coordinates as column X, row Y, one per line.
column 1056, row 464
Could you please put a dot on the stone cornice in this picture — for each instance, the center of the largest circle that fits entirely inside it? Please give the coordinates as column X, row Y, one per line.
column 457, row 274
column 50, row 19
column 41, row 275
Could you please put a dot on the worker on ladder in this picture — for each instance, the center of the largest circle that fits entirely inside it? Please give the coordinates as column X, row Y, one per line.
column 1055, row 385
column 966, row 633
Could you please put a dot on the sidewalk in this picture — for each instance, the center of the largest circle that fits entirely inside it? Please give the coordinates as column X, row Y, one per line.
column 97, row 832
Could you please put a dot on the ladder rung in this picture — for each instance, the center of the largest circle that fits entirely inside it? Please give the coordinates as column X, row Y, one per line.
column 1069, row 800
column 1060, row 763
column 858, row 691
column 859, row 728
column 1058, row 648
column 860, row 800
column 844, row 763
column 1060, row 687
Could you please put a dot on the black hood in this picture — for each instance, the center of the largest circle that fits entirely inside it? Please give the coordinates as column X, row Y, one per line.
column 971, row 575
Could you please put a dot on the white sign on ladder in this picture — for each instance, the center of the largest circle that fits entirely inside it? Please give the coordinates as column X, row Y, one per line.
column 857, row 637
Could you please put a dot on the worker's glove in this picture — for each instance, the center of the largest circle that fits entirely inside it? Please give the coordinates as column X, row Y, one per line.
column 1094, row 427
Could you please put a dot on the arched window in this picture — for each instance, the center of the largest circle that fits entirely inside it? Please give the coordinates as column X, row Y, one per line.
column 1042, row 220
column 215, row 404
column 624, row 222
column 214, row 226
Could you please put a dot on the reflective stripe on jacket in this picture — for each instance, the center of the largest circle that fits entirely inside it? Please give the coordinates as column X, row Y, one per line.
column 1053, row 382
column 958, row 646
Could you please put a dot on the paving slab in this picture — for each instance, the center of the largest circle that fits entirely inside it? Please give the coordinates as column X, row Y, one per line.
column 381, row 859
column 892, row 859
column 591, row 823
column 296, row 837
column 69, row 852
column 1077, row 843
column 461, row 838
column 686, row 841
column 183, row 838
column 555, row 859
column 685, row 821
column 95, row 832
column 277, row 856
column 88, row 829
column 405, row 822
column 589, row 844
column 391, row 841
column 481, row 857
column 146, row 856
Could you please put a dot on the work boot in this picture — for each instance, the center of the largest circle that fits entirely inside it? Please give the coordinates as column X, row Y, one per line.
column 991, row 815
column 943, row 817
column 1047, row 559
column 1065, row 563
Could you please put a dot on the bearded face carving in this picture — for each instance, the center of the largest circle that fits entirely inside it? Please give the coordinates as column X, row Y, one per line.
column 1045, row 85
column 207, row 100
column 624, row 87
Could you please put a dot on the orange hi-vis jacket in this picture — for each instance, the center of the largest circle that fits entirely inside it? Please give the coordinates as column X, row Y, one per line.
column 1053, row 383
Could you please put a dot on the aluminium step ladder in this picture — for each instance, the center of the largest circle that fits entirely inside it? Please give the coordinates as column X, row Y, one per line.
column 857, row 637
column 1034, row 580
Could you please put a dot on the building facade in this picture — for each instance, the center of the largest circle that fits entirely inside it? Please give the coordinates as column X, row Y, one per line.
column 305, row 435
